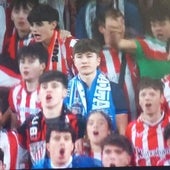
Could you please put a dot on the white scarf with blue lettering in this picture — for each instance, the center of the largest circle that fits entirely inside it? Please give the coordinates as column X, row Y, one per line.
column 82, row 100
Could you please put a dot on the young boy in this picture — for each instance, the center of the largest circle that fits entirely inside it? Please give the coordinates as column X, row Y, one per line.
column 53, row 90
column 146, row 133
column 23, row 98
column 60, row 140
column 45, row 29
column 21, row 34
column 91, row 90
column 117, row 151
column 150, row 52
column 118, row 66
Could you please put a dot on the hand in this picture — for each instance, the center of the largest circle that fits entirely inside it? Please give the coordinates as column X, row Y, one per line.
column 2, row 166
column 79, row 146
column 65, row 34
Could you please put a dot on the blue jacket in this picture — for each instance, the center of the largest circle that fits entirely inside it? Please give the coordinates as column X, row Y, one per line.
column 77, row 162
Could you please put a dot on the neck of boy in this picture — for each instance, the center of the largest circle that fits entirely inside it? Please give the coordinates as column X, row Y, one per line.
column 23, row 34
column 53, row 111
column 95, row 148
column 88, row 78
column 151, row 118
column 31, row 86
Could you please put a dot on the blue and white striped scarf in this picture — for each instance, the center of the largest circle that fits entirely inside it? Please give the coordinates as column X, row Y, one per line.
column 82, row 100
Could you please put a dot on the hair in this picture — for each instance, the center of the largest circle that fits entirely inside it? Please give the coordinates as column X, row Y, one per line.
column 43, row 12
column 100, row 21
column 119, row 141
column 60, row 127
column 159, row 13
column 167, row 132
column 17, row 4
column 147, row 82
column 87, row 45
column 106, row 116
column 34, row 50
column 54, row 76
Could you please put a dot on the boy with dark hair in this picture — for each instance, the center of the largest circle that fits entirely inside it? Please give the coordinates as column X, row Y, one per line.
column 150, row 51
column 23, row 97
column 60, row 139
column 45, row 29
column 117, row 151
column 117, row 65
column 52, row 91
column 146, row 132
column 91, row 90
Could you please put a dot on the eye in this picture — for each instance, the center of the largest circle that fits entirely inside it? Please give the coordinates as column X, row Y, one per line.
column 44, row 86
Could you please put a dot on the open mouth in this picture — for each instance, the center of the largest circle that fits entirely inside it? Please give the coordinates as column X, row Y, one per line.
column 148, row 104
column 95, row 133
column 112, row 165
column 26, row 72
column 62, row 151
column 48, row 97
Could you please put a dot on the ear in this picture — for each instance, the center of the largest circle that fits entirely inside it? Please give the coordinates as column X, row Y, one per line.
column 168, row 142
column 53, row 24
column 64, row 92
column 162, row 99
column 98, row 60
column 43, row 66
column 101, row 29
column 48, row 146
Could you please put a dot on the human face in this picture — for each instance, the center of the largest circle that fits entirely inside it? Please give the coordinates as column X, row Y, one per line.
column 31, row 68
column 161, row 29
column 97, row 128
column 113, row 31
column 19, row 17
column 43, row 31
column 150, row 101
column 115, row 156
column 60, row 147
column 51, row 94
column 86, row 63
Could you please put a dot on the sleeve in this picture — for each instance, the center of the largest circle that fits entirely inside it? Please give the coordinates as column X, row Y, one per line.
column 152, row 49
column 119, row 98
column 10, row 100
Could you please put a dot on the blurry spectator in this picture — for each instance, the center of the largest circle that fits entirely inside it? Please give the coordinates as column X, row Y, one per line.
column 118, row 66
column 45, row 29
column 90, row 89
column 60, row 140
column 52, row 91
column 146, row 132
column 97, row 128
column 117, row 151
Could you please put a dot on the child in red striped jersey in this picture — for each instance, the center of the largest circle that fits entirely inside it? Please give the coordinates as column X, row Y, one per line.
column 45, row 29
column 146, row 133
column 53, row 90
column 118, row 66
column 23, row 97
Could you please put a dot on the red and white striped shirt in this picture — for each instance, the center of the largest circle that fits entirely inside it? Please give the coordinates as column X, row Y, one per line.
column 148, row 140
column 14, row 155
column 22, row 102
column 60, row 54
column 153, row 48
column 111, row 66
